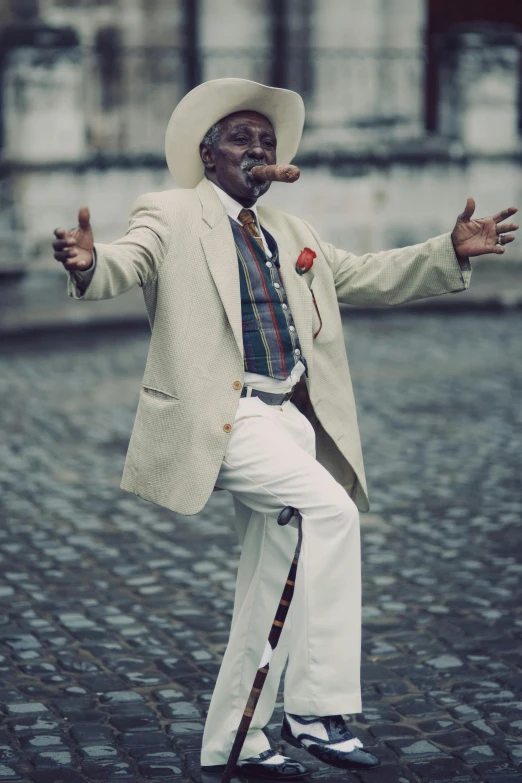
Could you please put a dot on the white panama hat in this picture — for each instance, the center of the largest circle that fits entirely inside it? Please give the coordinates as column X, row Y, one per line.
column 208, row 103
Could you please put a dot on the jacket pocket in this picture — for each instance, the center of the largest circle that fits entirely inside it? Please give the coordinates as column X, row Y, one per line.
column 159, row 394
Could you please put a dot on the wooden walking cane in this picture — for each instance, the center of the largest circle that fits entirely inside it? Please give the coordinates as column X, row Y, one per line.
column 275, row 632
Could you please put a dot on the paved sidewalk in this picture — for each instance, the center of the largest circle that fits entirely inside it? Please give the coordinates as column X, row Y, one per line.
column 39, row 302
column 114, row 613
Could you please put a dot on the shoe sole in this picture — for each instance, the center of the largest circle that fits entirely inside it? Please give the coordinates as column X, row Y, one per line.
column 288, row 737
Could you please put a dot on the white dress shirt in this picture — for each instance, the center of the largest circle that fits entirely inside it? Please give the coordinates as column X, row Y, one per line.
column 254, row 379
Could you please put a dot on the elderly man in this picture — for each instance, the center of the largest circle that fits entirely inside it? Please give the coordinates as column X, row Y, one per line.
column 235, row 331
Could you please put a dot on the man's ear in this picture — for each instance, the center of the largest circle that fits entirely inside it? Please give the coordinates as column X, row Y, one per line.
column 207, row 156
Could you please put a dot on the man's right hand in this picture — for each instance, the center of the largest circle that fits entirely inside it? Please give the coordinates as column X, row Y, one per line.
column 74, row 248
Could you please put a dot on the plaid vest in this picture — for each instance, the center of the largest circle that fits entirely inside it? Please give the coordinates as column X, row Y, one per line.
column 270, row 341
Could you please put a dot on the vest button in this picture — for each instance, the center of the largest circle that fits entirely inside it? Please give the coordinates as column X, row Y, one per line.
column 227, row 427
column 237, row 385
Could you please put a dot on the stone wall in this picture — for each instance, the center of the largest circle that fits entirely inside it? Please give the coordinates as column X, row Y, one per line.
column 367, row 206
column 84, row 120
column 368, row 79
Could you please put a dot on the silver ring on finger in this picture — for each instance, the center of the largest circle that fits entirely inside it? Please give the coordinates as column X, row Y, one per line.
column 500, row 239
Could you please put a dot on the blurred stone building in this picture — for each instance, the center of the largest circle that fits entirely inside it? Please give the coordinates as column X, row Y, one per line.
column 411, row 106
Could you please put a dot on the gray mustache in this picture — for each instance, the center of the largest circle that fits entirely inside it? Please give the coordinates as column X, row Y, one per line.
column 250, row 162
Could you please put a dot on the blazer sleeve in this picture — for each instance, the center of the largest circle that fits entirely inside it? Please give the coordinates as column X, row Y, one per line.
column 393, row 277
column 134, row 259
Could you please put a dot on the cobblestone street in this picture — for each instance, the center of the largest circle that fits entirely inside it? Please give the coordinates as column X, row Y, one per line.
column 115, row 612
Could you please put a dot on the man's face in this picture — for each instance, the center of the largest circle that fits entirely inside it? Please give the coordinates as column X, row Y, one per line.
column 246, row 139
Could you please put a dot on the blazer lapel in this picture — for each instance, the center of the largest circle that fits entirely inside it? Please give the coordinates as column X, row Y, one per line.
column 220, row 253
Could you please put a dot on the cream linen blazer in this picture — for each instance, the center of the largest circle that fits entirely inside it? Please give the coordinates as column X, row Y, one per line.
column 179, row 249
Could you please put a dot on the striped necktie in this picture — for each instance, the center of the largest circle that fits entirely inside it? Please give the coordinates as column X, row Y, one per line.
column 248, row 221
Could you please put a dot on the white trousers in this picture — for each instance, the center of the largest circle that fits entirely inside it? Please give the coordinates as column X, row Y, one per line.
column 270, row 463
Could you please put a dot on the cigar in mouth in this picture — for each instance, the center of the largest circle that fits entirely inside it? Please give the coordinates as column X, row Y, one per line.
column 275, row 173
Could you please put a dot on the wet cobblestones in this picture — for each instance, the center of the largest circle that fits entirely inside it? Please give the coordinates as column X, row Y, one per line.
column 114, row 613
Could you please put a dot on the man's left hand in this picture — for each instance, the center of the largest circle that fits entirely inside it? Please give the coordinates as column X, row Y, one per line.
column 475, row 237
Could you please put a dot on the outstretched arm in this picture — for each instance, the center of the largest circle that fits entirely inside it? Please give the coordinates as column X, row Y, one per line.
column 103, row 271
column 438, row 266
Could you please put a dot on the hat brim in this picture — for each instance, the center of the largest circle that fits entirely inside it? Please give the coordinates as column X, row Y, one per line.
column 208, row 103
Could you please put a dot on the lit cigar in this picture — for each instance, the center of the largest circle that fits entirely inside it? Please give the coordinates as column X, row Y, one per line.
column 275, row 173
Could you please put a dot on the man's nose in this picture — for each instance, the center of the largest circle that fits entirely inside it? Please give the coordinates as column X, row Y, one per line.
column 256, row 150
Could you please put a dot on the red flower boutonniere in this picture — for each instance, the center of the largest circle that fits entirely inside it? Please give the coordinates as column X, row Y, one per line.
column 305, row 261
column 303, row 265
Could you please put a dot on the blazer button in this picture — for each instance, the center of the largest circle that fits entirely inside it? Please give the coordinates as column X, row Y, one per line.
column 227, row 427
column 237, row 385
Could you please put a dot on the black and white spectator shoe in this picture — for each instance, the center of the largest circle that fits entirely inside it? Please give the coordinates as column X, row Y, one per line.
column 328, row 739
column 266, row 765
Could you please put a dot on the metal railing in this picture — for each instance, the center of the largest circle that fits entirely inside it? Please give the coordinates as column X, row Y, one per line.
column 121, row 98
